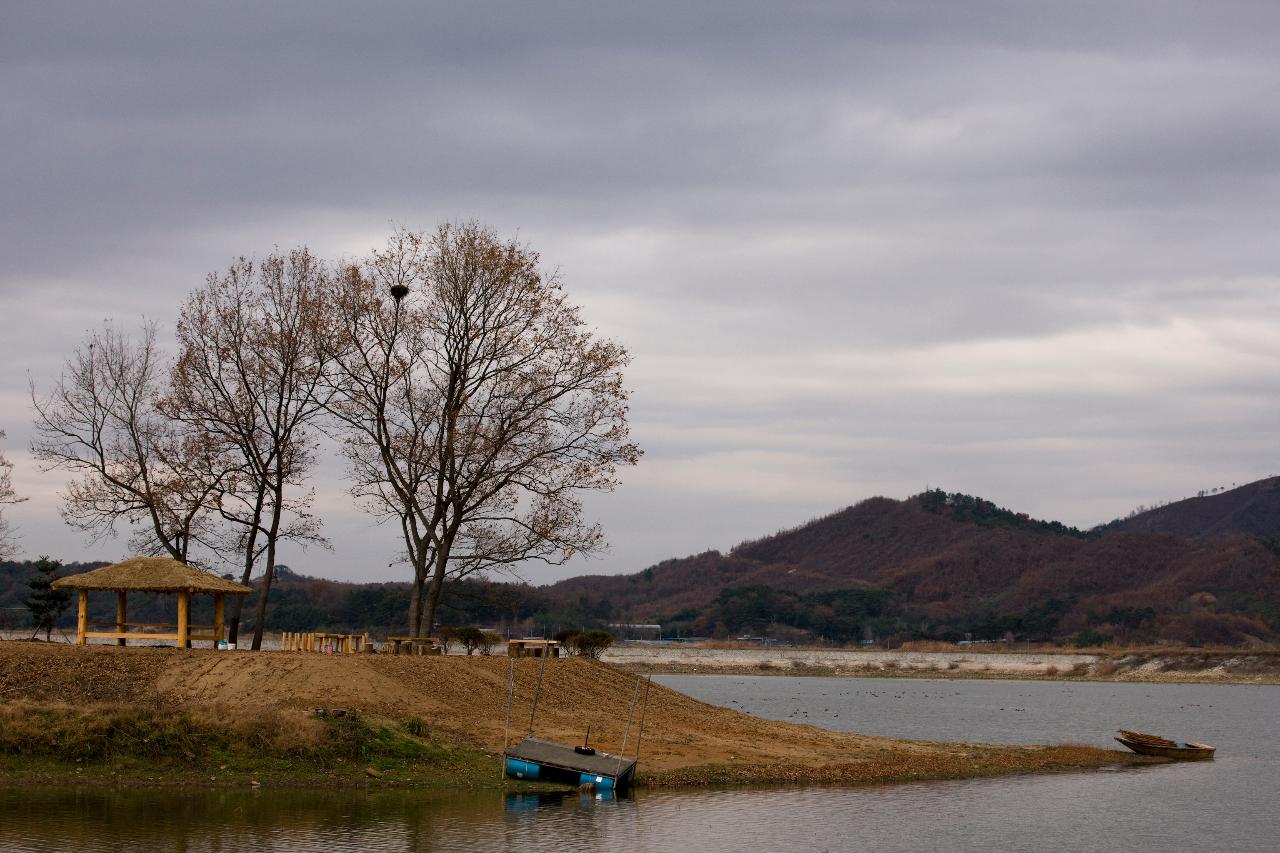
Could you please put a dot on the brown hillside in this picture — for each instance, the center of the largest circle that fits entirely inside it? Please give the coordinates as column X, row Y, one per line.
column 938, row 568
column 1250, row 510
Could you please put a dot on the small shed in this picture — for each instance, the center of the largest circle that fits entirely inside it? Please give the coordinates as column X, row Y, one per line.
column 152, row 574
column 531, row 648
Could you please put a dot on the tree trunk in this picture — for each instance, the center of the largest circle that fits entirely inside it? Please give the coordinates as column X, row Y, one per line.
column 415, row 593
column 237, row 606
column 272, row 536
column 260, row 615
column 437, row 584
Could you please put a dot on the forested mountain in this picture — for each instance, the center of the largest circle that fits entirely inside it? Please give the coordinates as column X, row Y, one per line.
column 950, row 565
column 937, row 565
column 1249, row 510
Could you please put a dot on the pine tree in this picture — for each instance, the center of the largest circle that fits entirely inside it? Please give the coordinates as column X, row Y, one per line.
column 46, row 603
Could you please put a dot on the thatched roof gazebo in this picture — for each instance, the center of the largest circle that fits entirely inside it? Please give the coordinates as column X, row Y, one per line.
column 152, row 574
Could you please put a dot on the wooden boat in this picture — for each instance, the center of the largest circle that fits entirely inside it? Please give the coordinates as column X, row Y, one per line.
column 534, row 759
column 1145, row 744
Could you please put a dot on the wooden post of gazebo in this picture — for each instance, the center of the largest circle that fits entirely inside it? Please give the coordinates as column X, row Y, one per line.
column 219, row 615
column 184, row 614
column 152, row 574
column 82, row 618
column 121, row 613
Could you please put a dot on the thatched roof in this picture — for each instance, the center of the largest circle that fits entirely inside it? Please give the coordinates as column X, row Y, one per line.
column 152, row 574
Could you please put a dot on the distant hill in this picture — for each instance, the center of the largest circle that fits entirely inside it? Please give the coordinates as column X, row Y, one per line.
column 952, row 565
column 1250, row 510
column 934, row 566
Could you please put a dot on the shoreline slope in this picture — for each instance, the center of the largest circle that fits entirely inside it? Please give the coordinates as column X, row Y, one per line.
column 684, row 741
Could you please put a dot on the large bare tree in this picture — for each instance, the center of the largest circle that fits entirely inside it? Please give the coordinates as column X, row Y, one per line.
column 383, row 400
column 7, row 497
column 478, row 406
column 102, row 422
column 248, row 375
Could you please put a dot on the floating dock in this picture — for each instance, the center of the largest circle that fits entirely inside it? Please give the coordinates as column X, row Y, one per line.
column 534, row 759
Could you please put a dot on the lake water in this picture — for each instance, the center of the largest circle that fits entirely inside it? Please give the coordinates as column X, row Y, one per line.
column 1227, row 804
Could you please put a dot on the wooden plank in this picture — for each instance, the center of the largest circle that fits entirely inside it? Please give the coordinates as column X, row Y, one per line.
column 172, row 626
column 137, row 635
column 132, row 635
column 82, row 618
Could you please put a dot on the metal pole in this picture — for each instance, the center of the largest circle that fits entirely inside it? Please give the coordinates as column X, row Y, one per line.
column 537, row 688
column 644, row 706
column 506, row 729
column 627, row 732
column 511, row 687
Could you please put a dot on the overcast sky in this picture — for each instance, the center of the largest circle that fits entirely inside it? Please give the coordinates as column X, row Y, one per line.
column 1021, row 250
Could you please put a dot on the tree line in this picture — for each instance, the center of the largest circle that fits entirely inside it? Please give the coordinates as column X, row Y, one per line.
column 472, row 404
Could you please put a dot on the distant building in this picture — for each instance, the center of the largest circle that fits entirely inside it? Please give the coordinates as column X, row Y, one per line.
column 628, row 631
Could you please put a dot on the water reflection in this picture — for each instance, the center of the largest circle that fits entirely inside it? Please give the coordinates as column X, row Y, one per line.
column 120, row 820
column 523, row 803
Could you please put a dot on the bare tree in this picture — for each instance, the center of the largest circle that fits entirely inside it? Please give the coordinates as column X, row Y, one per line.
column 478, row 406
column 248, row 375
column 7, row 496
column 101, row 421
column 382, row 399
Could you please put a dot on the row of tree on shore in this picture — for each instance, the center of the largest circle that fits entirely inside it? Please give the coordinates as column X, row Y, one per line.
column 472, row 405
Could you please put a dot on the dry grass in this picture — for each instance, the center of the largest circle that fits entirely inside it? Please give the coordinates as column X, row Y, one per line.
column 98, row 732
column 1051, row 670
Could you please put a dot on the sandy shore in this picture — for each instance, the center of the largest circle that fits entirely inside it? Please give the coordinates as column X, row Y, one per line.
column 1189, row 666
column 684, row 741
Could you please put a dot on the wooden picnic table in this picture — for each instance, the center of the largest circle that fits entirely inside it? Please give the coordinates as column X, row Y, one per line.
column 533, row 648
column 416, row 645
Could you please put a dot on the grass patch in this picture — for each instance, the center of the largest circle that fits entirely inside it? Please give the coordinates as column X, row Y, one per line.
column 58, row 743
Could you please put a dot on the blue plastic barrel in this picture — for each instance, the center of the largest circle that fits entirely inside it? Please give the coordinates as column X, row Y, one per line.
column 602, row 783
column 518, row 768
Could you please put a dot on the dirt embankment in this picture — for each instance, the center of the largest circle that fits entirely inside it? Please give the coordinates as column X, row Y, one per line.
column 1211, row 667
column 684, row 741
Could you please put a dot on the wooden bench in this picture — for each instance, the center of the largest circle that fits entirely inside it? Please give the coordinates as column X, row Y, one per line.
column 530, row 648
column 172, row 632
column 416, row 645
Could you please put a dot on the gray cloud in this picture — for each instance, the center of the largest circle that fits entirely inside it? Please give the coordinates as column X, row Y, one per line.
column 1023, row 250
